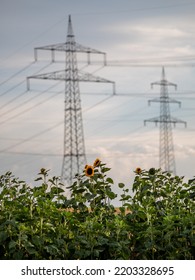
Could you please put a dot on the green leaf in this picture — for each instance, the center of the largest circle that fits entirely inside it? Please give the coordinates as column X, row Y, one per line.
column 52, row 249
column 142, row 215
column 122, row 209
column 38, row 179
column 31, row 250
column 3, row 236
column 109, row 180
column 37, row 240
column 105, row 169
column 17, row 255
column 56, row 190
column 111, row 195
column 125, row 197
column 192, row 195
column 89, row 196
column 121, row 185
column 191, row 181
column 12, row 244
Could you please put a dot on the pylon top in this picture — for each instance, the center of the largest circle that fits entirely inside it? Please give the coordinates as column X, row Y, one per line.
column 62, row 47
column 163, row 73
column 163, row 82
column 70, row 33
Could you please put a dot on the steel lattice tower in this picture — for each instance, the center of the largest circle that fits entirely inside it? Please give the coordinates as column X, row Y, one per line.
column 166, row 151
column 74, row 156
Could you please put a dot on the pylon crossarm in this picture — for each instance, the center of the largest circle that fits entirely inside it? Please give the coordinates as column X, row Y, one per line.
column 171, row 100
column 155, row 83
column 164, row 119
column 163, row 83
column 57, row 75
column 155, row 120
column 165, row 100
column 81, row 48
column 87, row 77
column 176, row 120
column 64, row 47
column 61, row 75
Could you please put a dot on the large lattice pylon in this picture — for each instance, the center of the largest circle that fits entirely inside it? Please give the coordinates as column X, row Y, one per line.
column 74, row 156
column 166, row 150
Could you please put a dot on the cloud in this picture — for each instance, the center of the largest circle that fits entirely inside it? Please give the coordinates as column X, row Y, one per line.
column 153, row 31
column 148, row 35
column 154, row 37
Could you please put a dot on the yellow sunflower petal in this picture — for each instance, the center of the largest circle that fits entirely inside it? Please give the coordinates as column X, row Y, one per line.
column 89, row 171
column 97, row 162
column 138, row 170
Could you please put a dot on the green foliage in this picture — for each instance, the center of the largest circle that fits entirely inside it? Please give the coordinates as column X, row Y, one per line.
column 40, row 222
column 162, row 220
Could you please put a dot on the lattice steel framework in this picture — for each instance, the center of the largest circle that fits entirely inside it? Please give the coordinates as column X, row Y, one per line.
column 74, row 156
column 166, row 151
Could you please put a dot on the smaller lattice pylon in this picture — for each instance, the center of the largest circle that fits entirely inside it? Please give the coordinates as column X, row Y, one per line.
column 166, row 149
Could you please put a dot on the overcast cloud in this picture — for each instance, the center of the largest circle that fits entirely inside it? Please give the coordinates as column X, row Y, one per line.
column 143, row 34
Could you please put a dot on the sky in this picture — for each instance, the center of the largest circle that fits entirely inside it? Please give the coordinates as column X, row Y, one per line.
column 139, row 37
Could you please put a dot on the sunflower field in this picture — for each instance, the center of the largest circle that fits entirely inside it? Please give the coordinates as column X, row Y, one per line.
column 157, row 222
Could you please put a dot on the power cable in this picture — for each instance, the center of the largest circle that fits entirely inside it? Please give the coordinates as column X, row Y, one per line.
column 33, row 154
column 110, row 155
column 32, row 137
column 38, row 134
column 181, row 4
column 14, row 87
column 151, row 62
column 97, row 131
column 27, row 101
column 15, row 98
column 15, row 74
column 12, row 100
column 150, row 65
column 32, row 107
column 100, row 102
column 34, row 39
column 32, row 98
column 135, row 94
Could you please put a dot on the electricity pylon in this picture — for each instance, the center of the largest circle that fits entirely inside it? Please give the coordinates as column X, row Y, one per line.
column 166, row 151
column 74, row 156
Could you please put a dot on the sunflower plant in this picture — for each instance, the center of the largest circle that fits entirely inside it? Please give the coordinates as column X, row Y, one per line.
column 93, row 188
column 40, row 222
column 162, row 220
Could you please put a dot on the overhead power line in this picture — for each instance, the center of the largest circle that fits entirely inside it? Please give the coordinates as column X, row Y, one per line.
column 20, row 83
column 17, row 73
column 33, row 40
column 30, row 108
column 43, row 131
column 31, row 137
column 133, row 10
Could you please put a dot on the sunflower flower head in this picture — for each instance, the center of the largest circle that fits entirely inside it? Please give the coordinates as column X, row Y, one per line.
column 42, row 170
column 152, row 171
column 138, row 170
column 96, row 162
column 89, row 171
